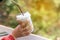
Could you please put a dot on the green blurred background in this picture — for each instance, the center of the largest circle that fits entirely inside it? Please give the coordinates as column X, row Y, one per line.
column 45, row 15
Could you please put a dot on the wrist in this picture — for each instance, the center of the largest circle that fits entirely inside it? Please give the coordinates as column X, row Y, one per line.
column 13, row 36
column 16, row 35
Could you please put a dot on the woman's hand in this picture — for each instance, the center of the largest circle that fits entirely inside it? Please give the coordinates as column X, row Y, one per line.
column 22, row 30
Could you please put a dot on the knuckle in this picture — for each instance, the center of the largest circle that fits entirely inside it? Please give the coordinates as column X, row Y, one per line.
column 27, row 33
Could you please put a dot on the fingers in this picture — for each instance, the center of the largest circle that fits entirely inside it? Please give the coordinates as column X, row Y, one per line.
column 26, row 33
column 24, row 24
column 20, row 29
column 23, row 29
column 27, row 28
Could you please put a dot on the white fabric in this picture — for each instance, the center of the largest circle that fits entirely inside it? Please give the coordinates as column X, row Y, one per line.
column 23, row 17
column 30, row 37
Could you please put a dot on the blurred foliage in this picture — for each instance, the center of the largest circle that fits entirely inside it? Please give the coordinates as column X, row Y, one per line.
column 44, row 14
